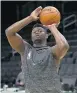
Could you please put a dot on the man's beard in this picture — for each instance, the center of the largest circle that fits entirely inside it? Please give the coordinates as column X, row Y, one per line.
column 38, row 41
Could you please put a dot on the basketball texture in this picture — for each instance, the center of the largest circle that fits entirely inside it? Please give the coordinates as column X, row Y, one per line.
column 49, row 15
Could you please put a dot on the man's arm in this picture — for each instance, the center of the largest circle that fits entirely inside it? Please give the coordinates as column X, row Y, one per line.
column 62, row 46
column 15, row 39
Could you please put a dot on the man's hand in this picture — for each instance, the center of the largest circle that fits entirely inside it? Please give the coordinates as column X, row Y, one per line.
column 52, row 25
column 36, row 13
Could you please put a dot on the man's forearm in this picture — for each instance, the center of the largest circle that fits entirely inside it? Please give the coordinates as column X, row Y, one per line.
column 16, row 27
column 60, row 39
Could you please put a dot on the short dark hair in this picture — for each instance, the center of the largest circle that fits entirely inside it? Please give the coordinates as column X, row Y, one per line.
column 40, row 25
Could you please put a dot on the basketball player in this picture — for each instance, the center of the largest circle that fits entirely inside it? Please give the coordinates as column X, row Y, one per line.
column 40, row 62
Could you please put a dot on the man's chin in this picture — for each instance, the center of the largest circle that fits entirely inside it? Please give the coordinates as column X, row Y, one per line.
column 37, row 41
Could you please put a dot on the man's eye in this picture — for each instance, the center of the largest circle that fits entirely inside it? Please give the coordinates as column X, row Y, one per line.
column 37, row 31
column 40, row 30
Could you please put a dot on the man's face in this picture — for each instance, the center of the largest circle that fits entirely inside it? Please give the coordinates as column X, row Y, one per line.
column 38, row 33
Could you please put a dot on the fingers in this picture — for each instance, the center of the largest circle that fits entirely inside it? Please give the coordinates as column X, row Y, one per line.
column 47, row 25
column 36, row 12
column 39, row 12
column 37, row 18
column 55, row 24
column 38, row 8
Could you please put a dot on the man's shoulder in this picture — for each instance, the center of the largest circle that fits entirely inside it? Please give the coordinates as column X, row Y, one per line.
column 27, row 44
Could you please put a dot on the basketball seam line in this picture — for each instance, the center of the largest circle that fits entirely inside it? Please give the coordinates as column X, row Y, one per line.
column 54, row 16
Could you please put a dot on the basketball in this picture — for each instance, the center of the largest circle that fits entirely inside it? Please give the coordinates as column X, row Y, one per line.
column 49, row 15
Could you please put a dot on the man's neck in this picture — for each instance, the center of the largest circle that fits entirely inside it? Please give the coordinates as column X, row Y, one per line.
column 39, row 44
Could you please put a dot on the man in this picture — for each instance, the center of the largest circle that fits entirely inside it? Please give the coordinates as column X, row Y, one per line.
column 40, row 62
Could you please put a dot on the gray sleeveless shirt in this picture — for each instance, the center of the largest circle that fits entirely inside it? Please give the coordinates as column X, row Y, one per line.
column 40, row 71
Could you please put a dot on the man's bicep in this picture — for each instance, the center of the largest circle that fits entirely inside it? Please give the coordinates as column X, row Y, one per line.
column 17, row 43
column 58, row 53
column 53, row 49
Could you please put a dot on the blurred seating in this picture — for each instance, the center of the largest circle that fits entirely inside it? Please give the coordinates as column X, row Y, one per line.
column 69, row 60
column 68, row 84
column 75, row 54
column 76, row 60
column 65, row 87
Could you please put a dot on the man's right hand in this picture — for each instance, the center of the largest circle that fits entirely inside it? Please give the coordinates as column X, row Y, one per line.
column 36, row 13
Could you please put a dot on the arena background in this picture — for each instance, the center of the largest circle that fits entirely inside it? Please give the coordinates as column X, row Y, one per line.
column 12, row 11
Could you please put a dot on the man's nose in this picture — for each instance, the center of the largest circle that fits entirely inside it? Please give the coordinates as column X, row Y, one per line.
column 37, row 32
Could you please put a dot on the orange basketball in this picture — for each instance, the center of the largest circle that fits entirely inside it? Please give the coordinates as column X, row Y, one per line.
column 49, row 15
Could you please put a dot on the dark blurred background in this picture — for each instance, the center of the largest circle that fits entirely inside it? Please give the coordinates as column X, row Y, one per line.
column 12, row 11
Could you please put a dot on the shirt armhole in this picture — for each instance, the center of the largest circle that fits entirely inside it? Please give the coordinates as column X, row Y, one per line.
column 57, row 61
